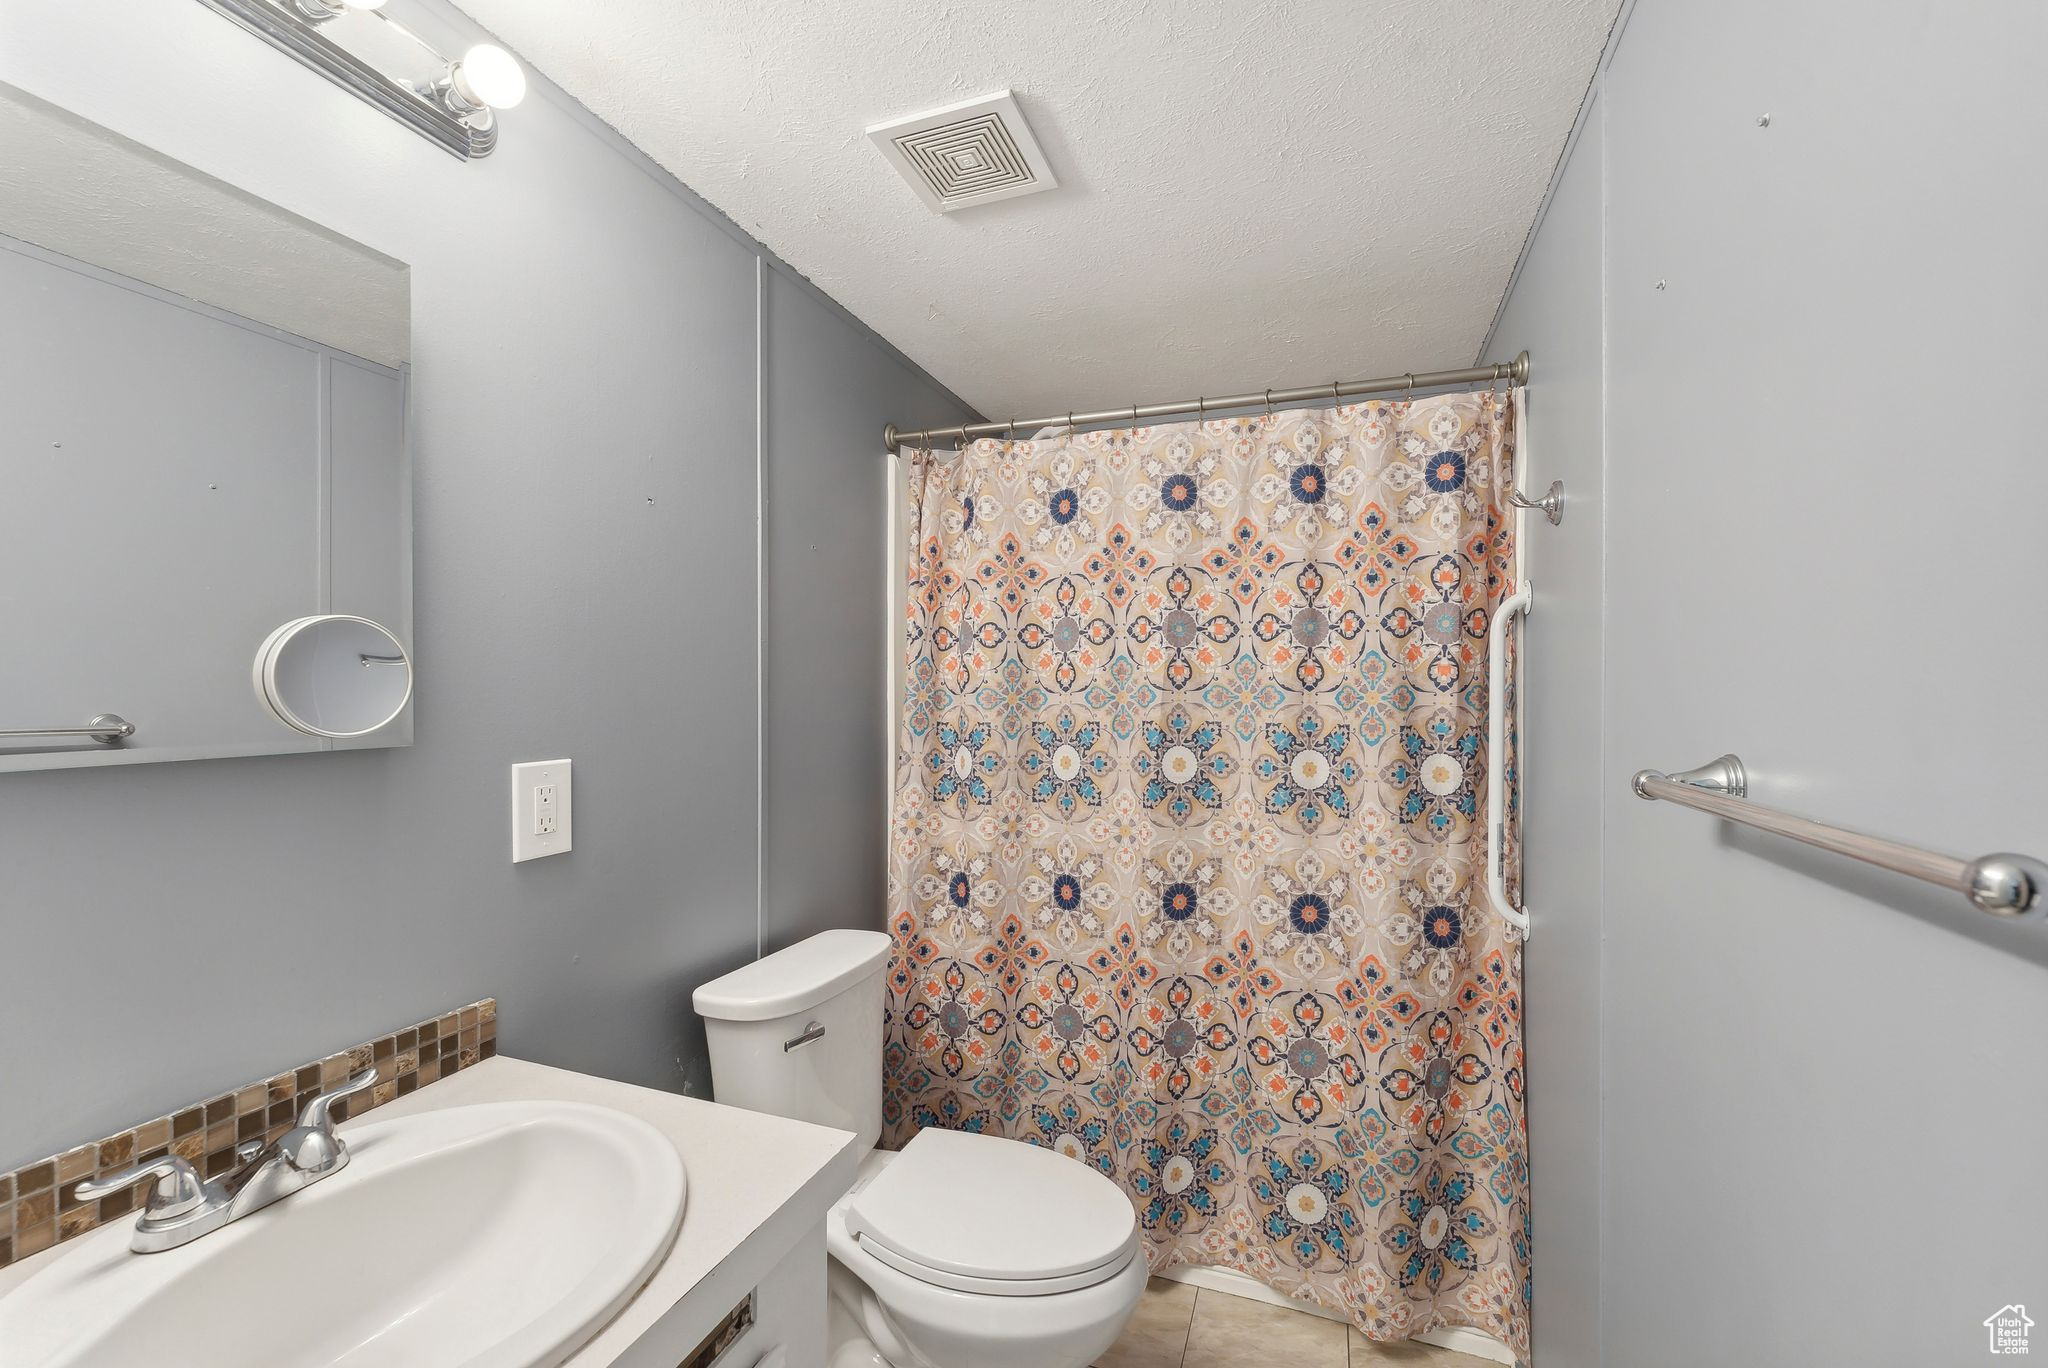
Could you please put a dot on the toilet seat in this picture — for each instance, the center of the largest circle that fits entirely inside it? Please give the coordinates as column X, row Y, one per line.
column 1000, row 1287
column 974, row 1213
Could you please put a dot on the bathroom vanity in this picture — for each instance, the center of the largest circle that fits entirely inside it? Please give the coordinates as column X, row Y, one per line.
column 742, row 1283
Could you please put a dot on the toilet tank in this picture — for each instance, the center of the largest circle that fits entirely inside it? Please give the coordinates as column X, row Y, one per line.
column 799, row 1033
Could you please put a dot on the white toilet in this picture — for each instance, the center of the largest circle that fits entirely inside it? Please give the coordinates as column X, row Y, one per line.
column 961, row 1251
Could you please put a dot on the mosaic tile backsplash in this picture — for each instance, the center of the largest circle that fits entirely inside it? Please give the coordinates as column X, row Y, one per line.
column 37, row 1208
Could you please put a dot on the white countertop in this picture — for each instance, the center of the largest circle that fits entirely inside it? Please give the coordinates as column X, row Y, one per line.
column 749, row 1174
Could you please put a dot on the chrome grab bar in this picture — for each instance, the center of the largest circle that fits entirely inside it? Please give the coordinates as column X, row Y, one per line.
column 1497, row 757
column 2003, row 884
column 109, row 729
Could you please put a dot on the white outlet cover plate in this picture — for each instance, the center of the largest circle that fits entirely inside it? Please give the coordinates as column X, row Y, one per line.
column 527, row 843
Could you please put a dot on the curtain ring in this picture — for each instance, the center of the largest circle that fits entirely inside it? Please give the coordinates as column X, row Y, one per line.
column 1201, row 408
column 1335, row 397
column 1134, row 415
column 1269, row 403
column 1070, row 422
column 1011, row 435
column 1411, row 385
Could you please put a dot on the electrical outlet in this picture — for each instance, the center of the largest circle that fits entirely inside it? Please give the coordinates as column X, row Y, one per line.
column 540, row 809
column 544, row 810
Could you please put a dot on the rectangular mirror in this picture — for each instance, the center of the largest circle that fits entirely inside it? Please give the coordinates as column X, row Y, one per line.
column 202, row 439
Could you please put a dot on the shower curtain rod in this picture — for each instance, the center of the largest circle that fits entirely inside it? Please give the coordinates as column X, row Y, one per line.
column 1516, row 371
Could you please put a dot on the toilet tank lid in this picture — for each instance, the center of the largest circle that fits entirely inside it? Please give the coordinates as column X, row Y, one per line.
column 795, row 979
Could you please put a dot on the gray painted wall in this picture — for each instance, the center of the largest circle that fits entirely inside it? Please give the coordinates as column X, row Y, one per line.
column 584, row 353
column 1822, row 1085
column 1556, row 316
column 827, row 482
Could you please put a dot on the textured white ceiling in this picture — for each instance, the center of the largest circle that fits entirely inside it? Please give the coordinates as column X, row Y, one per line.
column 80, row 190
column 1252, row 192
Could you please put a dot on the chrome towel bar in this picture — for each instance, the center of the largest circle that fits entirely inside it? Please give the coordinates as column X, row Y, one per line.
column 2005, row 885
column 108, row 729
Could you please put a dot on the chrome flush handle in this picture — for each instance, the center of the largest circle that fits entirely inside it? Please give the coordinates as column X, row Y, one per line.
column 812, row 1031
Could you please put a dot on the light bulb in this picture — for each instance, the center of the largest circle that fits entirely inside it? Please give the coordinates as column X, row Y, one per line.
column 488, row 75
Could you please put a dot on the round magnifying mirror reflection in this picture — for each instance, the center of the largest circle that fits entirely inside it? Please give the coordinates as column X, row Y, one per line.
column 333, row 675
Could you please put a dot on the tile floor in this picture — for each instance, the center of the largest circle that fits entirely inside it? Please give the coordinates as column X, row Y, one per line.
column 1178, row 1326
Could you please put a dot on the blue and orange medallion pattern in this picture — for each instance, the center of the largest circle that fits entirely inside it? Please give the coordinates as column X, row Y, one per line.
column 1187, row 871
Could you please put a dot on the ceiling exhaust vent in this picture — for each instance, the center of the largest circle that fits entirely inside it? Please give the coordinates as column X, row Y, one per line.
column 974, row 152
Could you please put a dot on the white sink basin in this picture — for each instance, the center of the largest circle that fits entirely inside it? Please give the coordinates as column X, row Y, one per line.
column 501, row 1234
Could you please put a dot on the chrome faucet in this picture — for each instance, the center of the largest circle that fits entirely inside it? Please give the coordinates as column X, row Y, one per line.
column 181, row 1207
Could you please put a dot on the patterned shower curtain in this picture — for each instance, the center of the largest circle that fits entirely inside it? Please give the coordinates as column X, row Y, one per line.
column 1187, row 877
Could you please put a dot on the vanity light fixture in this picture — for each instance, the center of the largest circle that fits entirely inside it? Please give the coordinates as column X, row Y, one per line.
column 452, row 103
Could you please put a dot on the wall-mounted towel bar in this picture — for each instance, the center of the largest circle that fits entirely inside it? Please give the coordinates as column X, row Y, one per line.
column 2004, row 884
column 108, row 729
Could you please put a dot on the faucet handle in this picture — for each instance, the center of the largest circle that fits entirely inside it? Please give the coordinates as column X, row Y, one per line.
column 316, row 1115
column 311, row 1146
column 177, row 1192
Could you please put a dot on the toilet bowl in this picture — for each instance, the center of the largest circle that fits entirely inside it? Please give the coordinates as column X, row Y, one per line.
column 965, row 1249
column 959, row 1251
